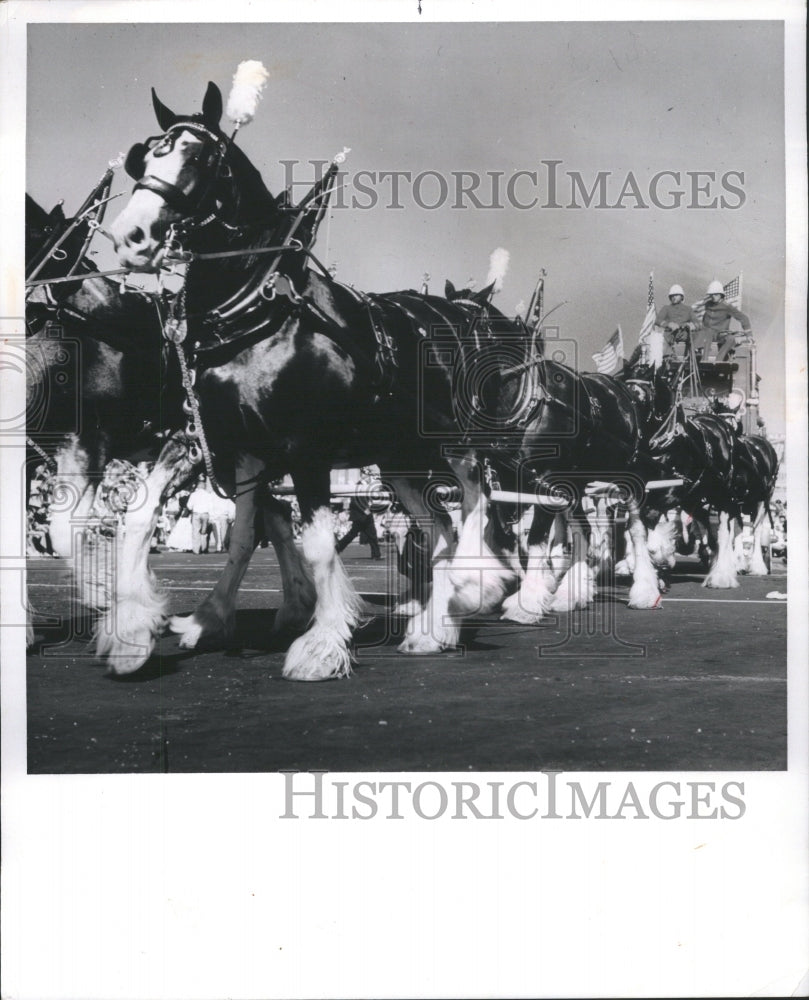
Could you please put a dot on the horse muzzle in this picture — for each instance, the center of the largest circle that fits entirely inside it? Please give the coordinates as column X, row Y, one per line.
column 139, row 232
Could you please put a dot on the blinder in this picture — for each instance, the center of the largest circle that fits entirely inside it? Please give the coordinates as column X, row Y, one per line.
column 135, row 162
column 211, row 162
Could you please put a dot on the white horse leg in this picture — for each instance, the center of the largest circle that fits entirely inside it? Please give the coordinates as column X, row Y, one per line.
column 433, row 628
column 740, row 558
column 137, row 614
column 606, row 550
column 722, row 574
column 758, row 567
column 216, row 615
column 322, row 652
column 626, row 566
column 591, row 513
column 558, row 540
column 577, row 587
column 533, row 600
column 644, row 594
column 480, row 579
column 662, row 545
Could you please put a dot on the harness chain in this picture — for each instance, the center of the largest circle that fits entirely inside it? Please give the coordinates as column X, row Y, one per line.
column 175, row 330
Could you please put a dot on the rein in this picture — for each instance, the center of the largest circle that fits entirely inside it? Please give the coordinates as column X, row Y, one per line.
column 93, row 208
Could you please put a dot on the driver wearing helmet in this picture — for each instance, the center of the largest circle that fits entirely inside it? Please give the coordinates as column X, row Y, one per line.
column 676, row 318
column 716, row 322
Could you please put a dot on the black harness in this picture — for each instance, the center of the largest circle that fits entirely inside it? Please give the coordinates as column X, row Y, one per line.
column 197, row 199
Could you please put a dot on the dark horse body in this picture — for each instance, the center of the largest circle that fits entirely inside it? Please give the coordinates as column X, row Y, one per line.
column 294, row 376
column 117, row 395
column 725, row 471
column 562, row 430
column 96, row 386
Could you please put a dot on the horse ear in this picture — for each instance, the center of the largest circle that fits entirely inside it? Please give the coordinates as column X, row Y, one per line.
column 449, row 289
column 483, row 295
column 165, row 117
column 212, row 105
column 56, row 214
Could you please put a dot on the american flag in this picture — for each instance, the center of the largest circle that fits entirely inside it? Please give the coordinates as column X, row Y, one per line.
column 733, row 296
column 609, row 358
column 651, row 312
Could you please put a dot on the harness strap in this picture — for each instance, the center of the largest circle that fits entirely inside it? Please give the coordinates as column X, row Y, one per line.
column 169, row 193
column 386, row 360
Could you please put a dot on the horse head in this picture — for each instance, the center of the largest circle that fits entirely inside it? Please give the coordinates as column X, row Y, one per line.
column 190, row 174
column 43, row 231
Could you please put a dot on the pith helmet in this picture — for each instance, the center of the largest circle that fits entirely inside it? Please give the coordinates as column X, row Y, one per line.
column 716, row 288
column 676, row 290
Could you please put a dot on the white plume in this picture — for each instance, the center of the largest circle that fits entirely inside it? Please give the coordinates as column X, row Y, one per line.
column 498, row 265
column 519, row 309
column 249, row 82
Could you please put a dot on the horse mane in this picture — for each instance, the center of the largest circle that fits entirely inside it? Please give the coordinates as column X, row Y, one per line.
column 246, row 199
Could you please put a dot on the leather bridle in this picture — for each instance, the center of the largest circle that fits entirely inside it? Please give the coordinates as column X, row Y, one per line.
column 200, row 198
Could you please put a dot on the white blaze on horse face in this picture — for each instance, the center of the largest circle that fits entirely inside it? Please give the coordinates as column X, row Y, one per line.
column 140, row 229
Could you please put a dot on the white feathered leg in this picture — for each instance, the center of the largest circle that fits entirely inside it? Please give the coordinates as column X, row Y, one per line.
column 626, row 565
column 532, row 601
column 644, row 594
column 722, row 574
column 480, row 579
column 322, row 652
column 662, row 545
column 126, row 635
column 432, row 628
column 758, row 567
column 577, row 588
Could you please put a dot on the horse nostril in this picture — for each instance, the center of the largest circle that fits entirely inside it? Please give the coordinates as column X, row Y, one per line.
column 135, row 237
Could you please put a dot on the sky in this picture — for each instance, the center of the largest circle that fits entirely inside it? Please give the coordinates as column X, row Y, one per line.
column 632, row 99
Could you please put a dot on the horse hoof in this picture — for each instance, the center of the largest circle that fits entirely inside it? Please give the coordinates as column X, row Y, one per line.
column 125, row 655
column 190, row 633
column 521, row 616
column 125, row 637
column 318, row 655
column 527, row 606
column 421, row 645
column 188, row 628
column 577, row 589
column 644, row 596
column 721, row 583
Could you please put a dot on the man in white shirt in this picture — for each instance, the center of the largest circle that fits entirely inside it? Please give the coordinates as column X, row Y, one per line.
column 200, row 504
